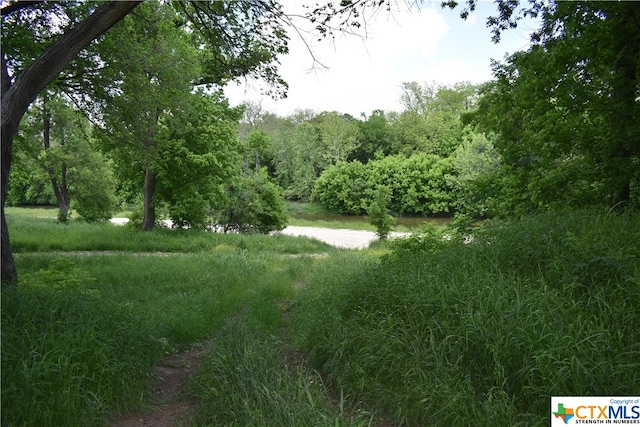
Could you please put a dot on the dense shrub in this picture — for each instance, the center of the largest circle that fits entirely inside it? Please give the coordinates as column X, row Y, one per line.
column 419, row 184
column 343, row 188
column 254, row 204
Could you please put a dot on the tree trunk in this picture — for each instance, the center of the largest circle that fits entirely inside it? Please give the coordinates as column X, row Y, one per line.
column 149, row 211
column 62, row 196
column 624, row 119
column 17, row 97
column 61, row 191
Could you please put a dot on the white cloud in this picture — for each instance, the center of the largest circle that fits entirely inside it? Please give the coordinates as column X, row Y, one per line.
column 364, row 75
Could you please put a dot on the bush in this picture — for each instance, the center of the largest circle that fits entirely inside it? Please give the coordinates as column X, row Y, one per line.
column 93, row 190
column 344, row 188
column 379, row 215
column 420, row 184
column 254, row 204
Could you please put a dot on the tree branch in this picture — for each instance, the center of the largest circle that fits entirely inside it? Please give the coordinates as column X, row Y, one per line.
column 17, row 5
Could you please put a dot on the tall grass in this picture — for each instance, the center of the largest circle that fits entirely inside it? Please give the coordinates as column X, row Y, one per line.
column 67, row 357
column 448, row 333
column 36, row 234
column 83, row 330
column 246, row 381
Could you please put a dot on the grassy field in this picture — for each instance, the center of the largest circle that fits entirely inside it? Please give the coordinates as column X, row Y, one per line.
column 433, row 332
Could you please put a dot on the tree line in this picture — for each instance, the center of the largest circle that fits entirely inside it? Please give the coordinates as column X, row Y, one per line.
column 557, row 126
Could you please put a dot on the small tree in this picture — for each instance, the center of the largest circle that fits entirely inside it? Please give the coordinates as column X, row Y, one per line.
column 254, row 205
column 379, row 214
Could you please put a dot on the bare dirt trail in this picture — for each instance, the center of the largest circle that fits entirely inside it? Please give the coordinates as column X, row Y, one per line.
column 172, row 408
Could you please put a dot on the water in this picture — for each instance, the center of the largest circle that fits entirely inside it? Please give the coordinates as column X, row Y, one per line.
column 407, row 221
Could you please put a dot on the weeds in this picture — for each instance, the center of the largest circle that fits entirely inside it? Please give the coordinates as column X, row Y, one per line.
column 427, row 331
column 453, row 333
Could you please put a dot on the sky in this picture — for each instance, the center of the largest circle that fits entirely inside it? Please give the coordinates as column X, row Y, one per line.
column 365, row 74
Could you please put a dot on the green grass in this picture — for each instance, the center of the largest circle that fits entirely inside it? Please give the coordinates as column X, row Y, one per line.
column 305, row 208
column 447, row 333
column 423, row 331
column 83, row 330
column 33, row 233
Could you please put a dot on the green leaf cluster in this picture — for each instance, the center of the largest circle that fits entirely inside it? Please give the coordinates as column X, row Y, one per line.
column 253, row 204
column 419, row 184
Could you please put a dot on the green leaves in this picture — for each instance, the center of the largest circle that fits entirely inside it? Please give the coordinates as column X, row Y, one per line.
column 419, row 184
column 198, row 153
column 562, row 109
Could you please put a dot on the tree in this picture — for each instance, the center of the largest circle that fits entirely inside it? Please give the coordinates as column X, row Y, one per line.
column 241, row 37
column 20, row 89
column 477, row 165
column 255, row 146
column 253, row 205
column 151, row 77
column 566, row 110
column 60, row 147
column 378, row 213
column 375, row 138
column 431, row 122
column 198, row 153
column 338, row 136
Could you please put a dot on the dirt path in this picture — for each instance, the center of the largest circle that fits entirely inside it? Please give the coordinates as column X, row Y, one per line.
column 171, row 376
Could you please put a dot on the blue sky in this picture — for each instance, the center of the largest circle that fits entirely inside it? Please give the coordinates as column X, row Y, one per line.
column 365, row 74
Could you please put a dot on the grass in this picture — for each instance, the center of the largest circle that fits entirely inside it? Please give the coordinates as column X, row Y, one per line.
column 31, row 233
column 82, row 332
column 448, row 333
column 312, row 214
column 422, row 331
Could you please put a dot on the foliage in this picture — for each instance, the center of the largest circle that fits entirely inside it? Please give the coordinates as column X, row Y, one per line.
column 418, row 184
column 477, row 165
column 62, row 167
column 375, row 138
column 343, row 188
column 378, row 213
column 564, row 110
column 445, row 332
column 431, row 122
column 92, row 188
column 253, row 204
column 198, row 153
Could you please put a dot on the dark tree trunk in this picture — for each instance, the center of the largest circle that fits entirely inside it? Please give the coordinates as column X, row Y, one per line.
column 149, row 189
column 624, row 114
column 62, row 196
column 17, row 97
column 149, row 211
column 61, row 190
